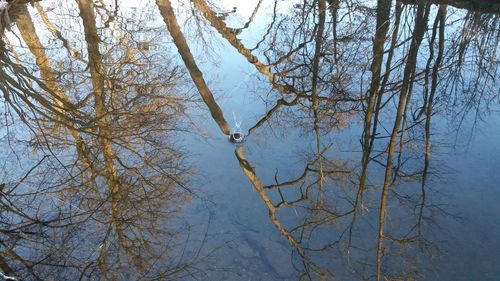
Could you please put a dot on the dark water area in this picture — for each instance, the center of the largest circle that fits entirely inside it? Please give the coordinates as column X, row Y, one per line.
column 370, row 145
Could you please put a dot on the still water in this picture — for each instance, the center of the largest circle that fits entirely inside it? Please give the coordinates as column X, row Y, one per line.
column 371, row 140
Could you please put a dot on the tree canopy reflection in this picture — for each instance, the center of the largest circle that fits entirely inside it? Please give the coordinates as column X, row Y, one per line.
column 327, row 71
column 94, row 179
column 98, row 188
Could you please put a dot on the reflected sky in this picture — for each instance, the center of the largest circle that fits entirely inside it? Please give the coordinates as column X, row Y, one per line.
column 370, row 147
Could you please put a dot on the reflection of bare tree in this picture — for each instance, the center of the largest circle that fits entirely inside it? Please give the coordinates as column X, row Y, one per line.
column 323, row 85
column 48, row 75
column 470, row 55
column 249, row 172
column 308, row 194
column 283, row 72
column 429, row 97
column 420, row 24
column 375, row 95
column 230, row 36
column 97, row 71
column 53, row 29
column 197, row 76
column 102, row 201
column 103, row 183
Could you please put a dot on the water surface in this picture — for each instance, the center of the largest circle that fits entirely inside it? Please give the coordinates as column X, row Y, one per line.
column 370, row 151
